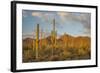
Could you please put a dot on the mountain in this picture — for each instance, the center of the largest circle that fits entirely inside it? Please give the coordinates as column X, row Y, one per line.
column 82, row 41
column 28, row 43
column 63, row 40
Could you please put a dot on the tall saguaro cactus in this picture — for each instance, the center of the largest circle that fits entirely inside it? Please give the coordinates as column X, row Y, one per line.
column 53, row 38
column 37, row 41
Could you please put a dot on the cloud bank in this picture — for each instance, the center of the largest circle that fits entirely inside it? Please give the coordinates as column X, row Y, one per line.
column 63, row 17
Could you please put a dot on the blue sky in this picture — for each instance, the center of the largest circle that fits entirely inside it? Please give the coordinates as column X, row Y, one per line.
column 73, row 23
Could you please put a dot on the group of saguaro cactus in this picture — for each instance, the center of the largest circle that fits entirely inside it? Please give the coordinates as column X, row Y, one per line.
column 53, row 39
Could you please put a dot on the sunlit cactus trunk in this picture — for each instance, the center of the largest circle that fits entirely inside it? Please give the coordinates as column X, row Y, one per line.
column 37, row 41
column 53, row 37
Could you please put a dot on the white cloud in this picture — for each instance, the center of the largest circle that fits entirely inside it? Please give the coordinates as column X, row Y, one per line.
column 36, row 14
column 63, row 15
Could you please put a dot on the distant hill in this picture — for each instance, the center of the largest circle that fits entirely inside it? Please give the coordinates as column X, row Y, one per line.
column 66, row 39
column 28, row 43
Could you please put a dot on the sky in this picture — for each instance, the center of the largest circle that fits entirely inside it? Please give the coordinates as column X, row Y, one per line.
column 72, row 23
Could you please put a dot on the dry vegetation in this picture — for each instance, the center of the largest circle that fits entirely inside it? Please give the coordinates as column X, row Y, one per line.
column 67, row 48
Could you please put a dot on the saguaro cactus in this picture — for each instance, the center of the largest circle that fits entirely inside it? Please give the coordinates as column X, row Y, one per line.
column 37, row 41
column 53, row 36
